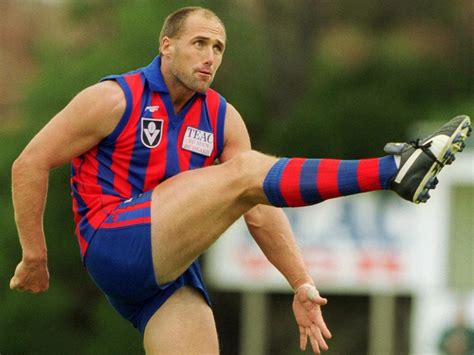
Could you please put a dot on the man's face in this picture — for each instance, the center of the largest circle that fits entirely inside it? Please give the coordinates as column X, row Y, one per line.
column 196, row 53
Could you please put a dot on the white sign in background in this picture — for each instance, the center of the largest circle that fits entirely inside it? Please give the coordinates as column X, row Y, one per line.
column 363, row 243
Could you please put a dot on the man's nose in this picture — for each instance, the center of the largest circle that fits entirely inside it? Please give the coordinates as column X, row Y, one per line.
column 209, row 56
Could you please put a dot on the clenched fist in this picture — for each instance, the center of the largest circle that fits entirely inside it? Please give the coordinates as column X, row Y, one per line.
column 31, row 276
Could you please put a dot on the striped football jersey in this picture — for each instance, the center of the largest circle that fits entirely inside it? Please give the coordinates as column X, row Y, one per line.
column 149, row 145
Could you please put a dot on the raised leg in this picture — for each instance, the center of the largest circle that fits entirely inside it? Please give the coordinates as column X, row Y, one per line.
column 191, row 210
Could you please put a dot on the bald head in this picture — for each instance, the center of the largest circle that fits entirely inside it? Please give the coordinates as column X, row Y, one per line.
column 174, row 23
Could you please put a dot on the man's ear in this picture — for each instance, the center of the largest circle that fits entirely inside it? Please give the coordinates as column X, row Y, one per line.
column 166, row 46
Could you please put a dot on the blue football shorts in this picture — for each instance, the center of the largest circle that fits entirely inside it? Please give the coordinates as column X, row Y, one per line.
column 119, row 260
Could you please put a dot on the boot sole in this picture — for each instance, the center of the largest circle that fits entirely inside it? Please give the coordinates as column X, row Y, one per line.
column 446, row 156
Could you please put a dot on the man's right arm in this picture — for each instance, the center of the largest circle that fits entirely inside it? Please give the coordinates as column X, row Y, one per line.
column 82, row 124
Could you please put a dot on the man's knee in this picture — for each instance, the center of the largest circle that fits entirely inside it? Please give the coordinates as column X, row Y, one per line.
column 251, row 165
column 246, row 171
column 254, row 166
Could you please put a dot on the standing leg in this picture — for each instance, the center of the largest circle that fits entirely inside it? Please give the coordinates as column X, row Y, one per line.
column 183, row 325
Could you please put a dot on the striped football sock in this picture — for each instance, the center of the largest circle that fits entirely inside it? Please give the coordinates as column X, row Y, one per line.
column 301, row 182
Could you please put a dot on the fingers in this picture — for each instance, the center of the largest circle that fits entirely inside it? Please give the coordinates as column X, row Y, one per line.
column 316, row 338
column 303, row 338
column 316, row 332
column 313, row 340
column 321, row 325
column 13, row 283
column 318, row 343
column 325, row 330
column 16, row 285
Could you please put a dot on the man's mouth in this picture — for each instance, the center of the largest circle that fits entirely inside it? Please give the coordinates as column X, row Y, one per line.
column 205, row 73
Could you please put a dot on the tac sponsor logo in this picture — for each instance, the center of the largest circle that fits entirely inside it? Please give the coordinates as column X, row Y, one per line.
column 151, row 132
column 198, row 141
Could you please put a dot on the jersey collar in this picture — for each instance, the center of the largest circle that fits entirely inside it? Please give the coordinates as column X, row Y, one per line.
column 154, row 77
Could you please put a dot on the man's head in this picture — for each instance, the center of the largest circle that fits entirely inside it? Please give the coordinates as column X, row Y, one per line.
column 192, row 42
column 174, row 23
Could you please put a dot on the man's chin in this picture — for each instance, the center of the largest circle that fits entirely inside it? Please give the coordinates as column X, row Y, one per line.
column 201, row 89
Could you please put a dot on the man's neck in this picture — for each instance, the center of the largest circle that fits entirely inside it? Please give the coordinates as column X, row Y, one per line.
column 179, row 94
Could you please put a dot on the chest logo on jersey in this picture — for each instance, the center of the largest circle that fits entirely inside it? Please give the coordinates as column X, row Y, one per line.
column 151, row 132
column 198, row 141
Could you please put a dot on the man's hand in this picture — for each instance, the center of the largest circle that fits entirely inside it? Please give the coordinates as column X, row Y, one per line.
column 307, row 309
column 32, row 276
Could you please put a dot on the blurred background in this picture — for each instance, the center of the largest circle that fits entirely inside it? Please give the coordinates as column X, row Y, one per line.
column 313, row 78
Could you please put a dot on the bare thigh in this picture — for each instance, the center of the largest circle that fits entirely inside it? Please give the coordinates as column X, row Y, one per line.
column 191, row 210
column 184, row 324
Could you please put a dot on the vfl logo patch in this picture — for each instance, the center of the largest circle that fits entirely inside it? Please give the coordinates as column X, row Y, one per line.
column 198, row 141
column 151, row 132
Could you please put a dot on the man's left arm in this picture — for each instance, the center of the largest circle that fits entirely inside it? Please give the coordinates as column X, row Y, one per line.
column 271, row 229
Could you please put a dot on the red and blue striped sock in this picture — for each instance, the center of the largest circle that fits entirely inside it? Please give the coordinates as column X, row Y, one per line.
column 301, row 182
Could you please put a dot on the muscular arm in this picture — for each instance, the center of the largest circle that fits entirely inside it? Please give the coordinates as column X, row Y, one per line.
column 268, row 225
column 86, row 120
column 271, row 230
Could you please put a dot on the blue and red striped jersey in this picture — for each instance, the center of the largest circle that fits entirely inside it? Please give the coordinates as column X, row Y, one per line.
column 150, row 144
